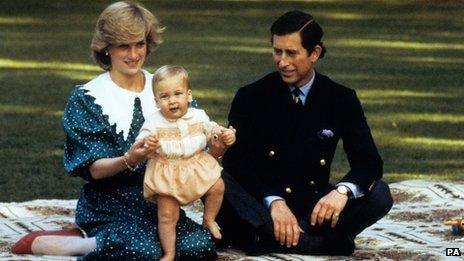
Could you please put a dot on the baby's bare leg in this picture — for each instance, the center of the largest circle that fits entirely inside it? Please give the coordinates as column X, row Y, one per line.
column 168, row 215
column 213, row 201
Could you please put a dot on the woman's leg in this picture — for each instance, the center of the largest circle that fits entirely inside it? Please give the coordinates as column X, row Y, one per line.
column 213, row 201
column 63, row 245
column 168, row 215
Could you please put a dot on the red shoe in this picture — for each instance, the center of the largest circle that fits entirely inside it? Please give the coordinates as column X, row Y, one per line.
column 23, row 246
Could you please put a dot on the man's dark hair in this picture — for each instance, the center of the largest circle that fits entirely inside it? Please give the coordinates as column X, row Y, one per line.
column 296, row 21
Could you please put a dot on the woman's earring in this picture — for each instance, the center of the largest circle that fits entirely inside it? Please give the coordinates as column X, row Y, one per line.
column 106, row 52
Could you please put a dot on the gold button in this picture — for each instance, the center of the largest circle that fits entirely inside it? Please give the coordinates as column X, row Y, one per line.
column 271, row 153
column 322, row 162
column 288, row 190
column 312, row 183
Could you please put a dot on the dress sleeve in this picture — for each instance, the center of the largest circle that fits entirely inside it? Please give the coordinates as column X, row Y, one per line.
column 147, row 129
column 208, row 125
column 88, row 134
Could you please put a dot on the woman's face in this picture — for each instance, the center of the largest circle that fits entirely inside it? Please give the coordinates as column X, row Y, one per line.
column 128, row 59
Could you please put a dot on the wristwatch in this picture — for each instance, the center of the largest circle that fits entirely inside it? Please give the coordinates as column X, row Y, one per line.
column 344, row 190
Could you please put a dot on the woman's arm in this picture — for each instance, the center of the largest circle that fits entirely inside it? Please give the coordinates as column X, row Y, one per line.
column 104, row 168
column 107, row 167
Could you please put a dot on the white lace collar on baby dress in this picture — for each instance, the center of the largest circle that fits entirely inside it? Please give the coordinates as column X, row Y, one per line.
column 188, row 115
column 118, row 103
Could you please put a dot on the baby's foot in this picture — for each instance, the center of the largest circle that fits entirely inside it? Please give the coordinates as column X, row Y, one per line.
column 213, row 228
column 167, row 258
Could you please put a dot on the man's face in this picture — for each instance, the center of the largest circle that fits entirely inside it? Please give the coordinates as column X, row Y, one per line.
column 292, row 60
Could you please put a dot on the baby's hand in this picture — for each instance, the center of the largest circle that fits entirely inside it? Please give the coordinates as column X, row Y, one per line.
column 151, row 142
column 228, row 135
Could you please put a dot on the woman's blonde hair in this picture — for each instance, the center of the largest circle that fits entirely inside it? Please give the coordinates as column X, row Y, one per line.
column 170, row 71
column 122, row 23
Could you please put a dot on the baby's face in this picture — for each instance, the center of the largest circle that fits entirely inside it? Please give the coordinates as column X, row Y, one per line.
column 172, row 97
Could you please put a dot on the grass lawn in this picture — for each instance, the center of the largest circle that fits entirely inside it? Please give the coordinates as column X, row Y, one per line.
column 404, row 58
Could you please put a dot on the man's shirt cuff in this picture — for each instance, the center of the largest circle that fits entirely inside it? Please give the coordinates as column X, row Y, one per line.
column 355, row 189
column 269, row 199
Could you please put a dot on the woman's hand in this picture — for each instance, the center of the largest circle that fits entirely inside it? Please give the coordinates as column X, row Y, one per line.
column 138, row 152
column 141, row 149
column 107, row 167
column 152, row 143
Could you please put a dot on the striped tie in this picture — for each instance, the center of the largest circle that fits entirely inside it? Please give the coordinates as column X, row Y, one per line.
column 296, row 97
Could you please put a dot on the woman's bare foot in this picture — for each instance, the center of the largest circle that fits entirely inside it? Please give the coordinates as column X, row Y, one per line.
column 213, row 228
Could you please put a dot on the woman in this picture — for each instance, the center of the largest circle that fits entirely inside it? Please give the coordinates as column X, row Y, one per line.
column 101, row 120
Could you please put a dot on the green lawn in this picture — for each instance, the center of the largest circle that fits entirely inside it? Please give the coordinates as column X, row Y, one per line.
column 404, row 58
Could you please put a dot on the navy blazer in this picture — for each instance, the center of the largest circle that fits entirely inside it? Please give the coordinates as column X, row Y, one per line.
column 281, row 149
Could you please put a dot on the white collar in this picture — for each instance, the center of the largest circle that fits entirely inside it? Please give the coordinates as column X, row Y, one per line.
column 118, row 103
column 188, row 115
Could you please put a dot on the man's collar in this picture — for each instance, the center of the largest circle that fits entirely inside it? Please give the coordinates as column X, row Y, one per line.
column 305, row 88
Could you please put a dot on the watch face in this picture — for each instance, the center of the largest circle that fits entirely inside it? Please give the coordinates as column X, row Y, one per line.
column 342, row 190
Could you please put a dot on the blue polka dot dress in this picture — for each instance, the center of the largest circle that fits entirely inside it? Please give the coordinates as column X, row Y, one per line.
column 101, row 120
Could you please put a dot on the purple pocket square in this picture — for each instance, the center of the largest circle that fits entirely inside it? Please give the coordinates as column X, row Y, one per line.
column 325, row 134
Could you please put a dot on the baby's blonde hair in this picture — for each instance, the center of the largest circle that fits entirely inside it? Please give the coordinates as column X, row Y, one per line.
column 167, row 71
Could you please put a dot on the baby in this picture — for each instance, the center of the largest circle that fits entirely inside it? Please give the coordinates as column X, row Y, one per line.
column 181, row 171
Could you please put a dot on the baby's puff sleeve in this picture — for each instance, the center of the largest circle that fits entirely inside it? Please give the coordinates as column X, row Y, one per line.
column 148, row 128
column 208, row 125
column 88, row 134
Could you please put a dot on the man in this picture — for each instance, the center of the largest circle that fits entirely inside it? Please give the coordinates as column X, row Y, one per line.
column 278, row 197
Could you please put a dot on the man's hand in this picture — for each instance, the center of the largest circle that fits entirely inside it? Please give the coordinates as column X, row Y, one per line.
column 218, row 147
column 328, row 208
column 286, row 228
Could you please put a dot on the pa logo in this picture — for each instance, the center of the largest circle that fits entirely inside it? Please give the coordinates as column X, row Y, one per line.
column 453, row 251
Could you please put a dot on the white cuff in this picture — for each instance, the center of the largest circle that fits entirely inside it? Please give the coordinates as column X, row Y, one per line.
column 355, row 189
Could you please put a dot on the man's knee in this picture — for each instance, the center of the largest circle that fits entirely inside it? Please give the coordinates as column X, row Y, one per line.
column 382, row 197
